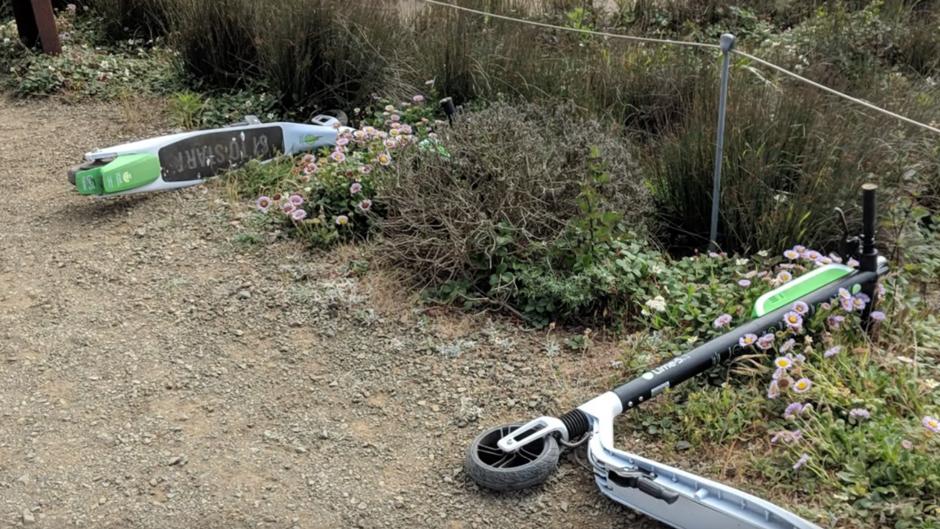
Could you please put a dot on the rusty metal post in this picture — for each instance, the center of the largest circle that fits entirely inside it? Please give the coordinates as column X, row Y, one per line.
column 36, row 23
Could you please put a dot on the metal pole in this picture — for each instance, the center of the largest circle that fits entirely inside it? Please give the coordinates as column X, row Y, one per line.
column 727, row 44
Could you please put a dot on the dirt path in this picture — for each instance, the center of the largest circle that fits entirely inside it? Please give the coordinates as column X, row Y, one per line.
column 157, row 375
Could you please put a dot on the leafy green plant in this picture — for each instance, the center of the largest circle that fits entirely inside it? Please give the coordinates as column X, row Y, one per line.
column 185, row 108
column 221, row 108
column 84, row 69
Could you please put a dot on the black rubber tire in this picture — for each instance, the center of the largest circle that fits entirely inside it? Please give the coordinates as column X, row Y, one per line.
column 530, row 466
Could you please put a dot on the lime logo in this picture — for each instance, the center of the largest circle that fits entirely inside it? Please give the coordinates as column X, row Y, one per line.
column 311, row 139
column 126, row 177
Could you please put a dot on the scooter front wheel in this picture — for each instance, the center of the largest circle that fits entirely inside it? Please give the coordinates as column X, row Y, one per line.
column 494, row 469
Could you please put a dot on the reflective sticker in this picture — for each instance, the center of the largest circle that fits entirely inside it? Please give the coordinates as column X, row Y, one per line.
column 659, row 389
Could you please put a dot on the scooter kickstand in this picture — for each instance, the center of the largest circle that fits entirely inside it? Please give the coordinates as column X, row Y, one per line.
column 634, row 479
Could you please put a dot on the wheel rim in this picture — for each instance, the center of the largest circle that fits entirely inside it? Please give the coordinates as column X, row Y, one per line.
column 489, row 453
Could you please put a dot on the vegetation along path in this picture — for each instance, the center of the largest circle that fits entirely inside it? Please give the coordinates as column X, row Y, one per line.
column 158, row 374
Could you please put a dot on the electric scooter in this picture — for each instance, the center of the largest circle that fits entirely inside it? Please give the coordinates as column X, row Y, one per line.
column 517, row 456
column 188, row 158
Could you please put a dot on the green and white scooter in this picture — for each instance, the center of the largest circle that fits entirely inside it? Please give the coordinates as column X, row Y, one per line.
column 516, row 456
column 188, row 158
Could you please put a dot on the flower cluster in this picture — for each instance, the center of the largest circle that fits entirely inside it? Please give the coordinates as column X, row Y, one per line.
column 289, row 205
column 794, row 343
column 333, row 191
column 800, row 253
column 831, row 381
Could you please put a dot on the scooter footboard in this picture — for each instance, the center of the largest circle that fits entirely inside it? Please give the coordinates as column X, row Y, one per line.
column 681, row 499
column 671, row 495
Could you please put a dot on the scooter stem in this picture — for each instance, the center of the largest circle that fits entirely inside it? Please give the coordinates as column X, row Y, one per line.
column 868, row 261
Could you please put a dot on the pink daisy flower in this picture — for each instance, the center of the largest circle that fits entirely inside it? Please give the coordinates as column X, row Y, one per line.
column 931, row 424
column 801, row 461
column 722, row 321
column 802, row 385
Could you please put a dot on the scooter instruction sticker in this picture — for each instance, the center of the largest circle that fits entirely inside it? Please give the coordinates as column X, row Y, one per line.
column 209, row 154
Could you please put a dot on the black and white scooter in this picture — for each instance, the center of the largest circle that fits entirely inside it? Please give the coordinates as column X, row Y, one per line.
column 518, row 456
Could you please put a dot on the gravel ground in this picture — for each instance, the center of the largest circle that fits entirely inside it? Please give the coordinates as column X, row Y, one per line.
column 156, row 374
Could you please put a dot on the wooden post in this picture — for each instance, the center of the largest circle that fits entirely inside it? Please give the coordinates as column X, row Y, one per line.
column 36, row 23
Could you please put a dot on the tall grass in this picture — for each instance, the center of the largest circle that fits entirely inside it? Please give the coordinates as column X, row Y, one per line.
column 122, row 19
column 314, row 54
column 472, row 58
column 787, row 164
column 216, row 40
column 791, row 154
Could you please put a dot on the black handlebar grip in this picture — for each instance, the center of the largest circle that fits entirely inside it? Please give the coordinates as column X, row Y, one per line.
column 869, row 257
column 868, row 217
column 449, row 108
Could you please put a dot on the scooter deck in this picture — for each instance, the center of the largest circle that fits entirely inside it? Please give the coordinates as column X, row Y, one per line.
column 668, row 494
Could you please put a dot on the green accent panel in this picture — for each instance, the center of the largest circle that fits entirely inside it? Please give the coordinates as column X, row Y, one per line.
column 799, row 287
column 130, row 171
column 88, row 182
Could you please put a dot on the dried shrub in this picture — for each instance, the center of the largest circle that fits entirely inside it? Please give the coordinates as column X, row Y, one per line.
column 507, row 188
